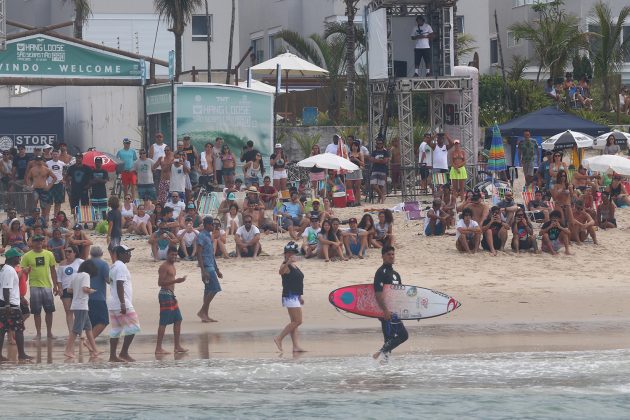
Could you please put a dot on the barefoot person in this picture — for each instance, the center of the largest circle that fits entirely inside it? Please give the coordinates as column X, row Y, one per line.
column 210, row 273
column 394, row 332
column 80, row 291
column 169, row 309
column 122, row 317
column 292, row 291
column 468, row 233
column 11, row 319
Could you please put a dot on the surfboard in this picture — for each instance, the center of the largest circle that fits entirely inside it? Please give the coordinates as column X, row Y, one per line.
column 407, row 302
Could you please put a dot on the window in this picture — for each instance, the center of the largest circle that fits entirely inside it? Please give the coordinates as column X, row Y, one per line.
column 459, row 24
column 511, row 40
column 274, row 44
column 626, row 36
column 200, row 28
column 519, row 3
column 258, row 51
column 494, row 51
column 595, row 41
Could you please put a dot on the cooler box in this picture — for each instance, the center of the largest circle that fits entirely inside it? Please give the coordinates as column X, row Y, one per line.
column 339, row 199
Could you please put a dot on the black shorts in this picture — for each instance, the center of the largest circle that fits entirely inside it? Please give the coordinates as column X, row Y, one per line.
column 495, row 240
column 424, row 171
column 422, row 53
column 79, row 199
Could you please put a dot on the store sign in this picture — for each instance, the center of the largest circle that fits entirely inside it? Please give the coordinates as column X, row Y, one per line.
column 158, row 99
column 46, row 56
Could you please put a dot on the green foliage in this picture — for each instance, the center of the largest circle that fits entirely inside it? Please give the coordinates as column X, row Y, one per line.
column 517, row 68
column 582, row 67
column 323, row 118
column 306, row 142
column 419, row 130
column 464, row 45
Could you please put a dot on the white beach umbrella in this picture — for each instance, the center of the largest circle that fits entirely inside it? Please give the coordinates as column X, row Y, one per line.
column 621, row 138
column 328, row 161
column 290, row 65
column 568, row 140
column 608, row 163
column 258, row 85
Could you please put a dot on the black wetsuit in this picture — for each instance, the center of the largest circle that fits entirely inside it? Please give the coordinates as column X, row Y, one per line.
column 394, row 332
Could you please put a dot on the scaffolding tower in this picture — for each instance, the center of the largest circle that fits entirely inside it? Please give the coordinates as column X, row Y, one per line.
column 383, row 91
column 3, row 25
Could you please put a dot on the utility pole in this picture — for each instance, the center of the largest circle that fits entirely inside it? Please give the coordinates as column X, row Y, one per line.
column 3, row 25
column 208, row 40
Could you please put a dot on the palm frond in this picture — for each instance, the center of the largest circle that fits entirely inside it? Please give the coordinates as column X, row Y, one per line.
column 302, row 47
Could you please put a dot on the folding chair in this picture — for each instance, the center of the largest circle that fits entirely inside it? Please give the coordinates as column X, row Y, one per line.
column 88, row 214
column 208, row 204
column 278, row 217
column 531, row 215
column 498, row 194
column 412, row 210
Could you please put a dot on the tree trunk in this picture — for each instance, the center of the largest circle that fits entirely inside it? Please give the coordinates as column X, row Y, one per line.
column 78, row 29
column 350, row 69
column 505, row 84
column 178, row 55
column 229, row 62
column 606, row 98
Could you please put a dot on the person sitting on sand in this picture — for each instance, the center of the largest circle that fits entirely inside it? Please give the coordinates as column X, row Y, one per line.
column 268, row 194
column 582, row 225
column 141, row 222
column 355, row 240
column 435, row 220
column 187, row 241
column 80, row 291
column 247, row 239
column 169, row 308
column 219, row 239
column 384, row 229
column 310, row 242
column 494, row 231
column 449, row 204
column 618, row 192
column 468, row 233
column 292, row 215
column 233, row 219
column 606, row 213
column 555, row 235
column 478, row 207
column 523, row 237
column 539, row 207
column 367, row 223
column 330, row 246
column 292, row 291
column 508, row 207
column 224, row 207
column 160, row 241
column 81, row 240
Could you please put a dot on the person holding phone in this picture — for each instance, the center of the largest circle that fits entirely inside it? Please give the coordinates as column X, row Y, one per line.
column 555, row 234
column 292, row 291
column 494, row 231
column 422, row 33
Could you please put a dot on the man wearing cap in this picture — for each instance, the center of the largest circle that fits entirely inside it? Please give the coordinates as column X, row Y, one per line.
column 210, row 273
column 10, row 314
column 310, row 241
column 81, row 240
column 422, row 33
column 79, row 178
column 39, row 264
column 440, row 154
column 380, row 163
column 57, row 191
column 458, row 170
column 128, row 176
column 355, row 239
column 37, row 178
column 479, row 209
column 247, row 239
column 249, row 153
column 97, row 302
column 98, row 182
column 122, row 316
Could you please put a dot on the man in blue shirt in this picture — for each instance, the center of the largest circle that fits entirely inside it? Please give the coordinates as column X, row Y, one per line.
column 128, row 176
column 292, row 216
column 97, row 304
column 210, row 273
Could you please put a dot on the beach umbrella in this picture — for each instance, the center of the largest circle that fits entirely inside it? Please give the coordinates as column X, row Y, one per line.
column 621, row 139
column 110, row 162
column 496, row 157
column 608, row 163
column 328, row 161
column 258, row 85
column 290, row 65
column 568, row 140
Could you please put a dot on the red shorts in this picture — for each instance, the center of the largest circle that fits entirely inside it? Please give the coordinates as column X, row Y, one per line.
column 129, row 178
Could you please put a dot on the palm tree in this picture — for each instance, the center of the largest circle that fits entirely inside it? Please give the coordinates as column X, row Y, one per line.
column 464, row 45
column 608, row 50
column 555, row 36
column 229, row 62
column 82, row 11
column 177, row 13
column 351, row 11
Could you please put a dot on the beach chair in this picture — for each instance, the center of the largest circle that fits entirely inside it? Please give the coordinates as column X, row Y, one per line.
column 208, row 204
column 412, row 210
column 278, row 217
column 88, row 214
column 535, row 216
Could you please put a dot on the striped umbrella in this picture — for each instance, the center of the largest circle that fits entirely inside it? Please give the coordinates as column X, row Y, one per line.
column 496, row 158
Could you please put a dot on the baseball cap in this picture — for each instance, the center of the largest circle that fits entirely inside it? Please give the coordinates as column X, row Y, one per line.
column 190, row 206
column 12, row 253
column 48, row 146
column 77, row 227
column 121, row 249
column 231, row 196
column 316, row 200
column 278, row 146
column 126, row 140
column 314, row 218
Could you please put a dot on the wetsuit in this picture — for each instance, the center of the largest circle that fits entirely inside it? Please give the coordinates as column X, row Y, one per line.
column 394, row 332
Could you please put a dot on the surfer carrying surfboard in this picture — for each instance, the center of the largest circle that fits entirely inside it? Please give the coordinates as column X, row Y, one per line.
column 394, row 332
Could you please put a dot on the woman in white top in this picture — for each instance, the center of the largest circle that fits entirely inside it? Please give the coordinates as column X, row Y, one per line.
column 253, row 170
column 127, row 210
column 232, row 221
column 141, row 223
column 66, row 271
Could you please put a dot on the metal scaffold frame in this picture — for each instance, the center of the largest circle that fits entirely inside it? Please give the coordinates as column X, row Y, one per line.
column 3, row 25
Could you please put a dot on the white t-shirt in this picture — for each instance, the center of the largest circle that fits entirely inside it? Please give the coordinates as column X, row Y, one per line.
column 65, row 273
column 428, row 158
column 177, row 207
column 311, row 235
column 144, row 219
column 178, row 178
column 10, row 280
column 332, row 148
column 189, row 237
column 79, row 297
column 461, row 224
column 245, row 235
column 203, row 163
column 119, row 272
column 422, row 30
column 218, row 163
column 158, row 151
column 440, row 157
column 57, row 169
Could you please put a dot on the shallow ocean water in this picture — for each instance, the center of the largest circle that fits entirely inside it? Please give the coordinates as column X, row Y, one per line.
column 536, row 385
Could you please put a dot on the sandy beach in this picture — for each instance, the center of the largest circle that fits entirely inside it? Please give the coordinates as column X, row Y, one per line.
column 516, row 302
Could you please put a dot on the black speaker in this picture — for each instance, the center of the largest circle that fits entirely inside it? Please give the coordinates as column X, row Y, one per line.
column 400, row 68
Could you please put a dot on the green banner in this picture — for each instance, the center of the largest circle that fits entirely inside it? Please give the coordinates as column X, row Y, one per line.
column 205, row 112
column 46, row 56
column 158, row 99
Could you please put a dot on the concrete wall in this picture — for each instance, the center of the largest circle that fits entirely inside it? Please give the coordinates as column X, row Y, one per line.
column 477, row 24
column 94, row 116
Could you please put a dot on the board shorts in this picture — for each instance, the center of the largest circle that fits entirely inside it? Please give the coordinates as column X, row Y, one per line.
column 206, row 180
column 81, row 321
column 496, row 241
column 378, row 178
column 458, row 173
column 318, row 176
column 129, row 178
column 78, row 199
column 525, row 244
column 99, row 203
column 66, row 294
column 213, row 285
column 98, row 312
column 12, row 321
column 57, row 193
column 44, row 197
column 422, row 53
column 122, row 325
column 424, row 171
column 282, row 174
column 291, row 301
column 113, row 243
column 355, row 247
column 42, row 297
column 556, row 244
column 169, row 309
column 354, row 175
column 163, row 188
column 147, row 191
column 290, row 221
column 437, row 231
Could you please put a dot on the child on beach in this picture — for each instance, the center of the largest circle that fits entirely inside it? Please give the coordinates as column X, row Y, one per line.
column 169, row 309
column 81, row 291
column 292, row 290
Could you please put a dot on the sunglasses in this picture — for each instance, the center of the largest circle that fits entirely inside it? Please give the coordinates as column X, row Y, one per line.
column 69, row 250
